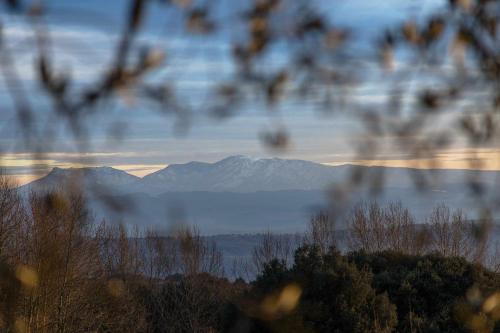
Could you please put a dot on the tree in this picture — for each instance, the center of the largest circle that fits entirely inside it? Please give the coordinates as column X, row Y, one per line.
column 197, row 255
column 432, row 292
column 12, row 218
column 194, row 303
column 372, row 228
column 272, row 247
column 327, row 294
column 59, row 261
column 160, row 255
column 451, row 233
column 321, row 233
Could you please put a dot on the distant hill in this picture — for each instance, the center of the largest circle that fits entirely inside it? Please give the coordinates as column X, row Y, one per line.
column 240, row 194
column 94, row 179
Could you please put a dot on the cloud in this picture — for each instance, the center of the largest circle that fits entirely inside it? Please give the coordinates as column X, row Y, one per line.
column 85, row 52
column 196, row 64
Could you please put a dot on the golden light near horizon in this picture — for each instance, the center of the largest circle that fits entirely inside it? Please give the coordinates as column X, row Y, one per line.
column 140, row 170
column 34, row 168
column 486, row 159
column 133, row 169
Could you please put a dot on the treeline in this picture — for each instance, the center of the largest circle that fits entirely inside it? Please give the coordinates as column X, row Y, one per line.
column 61, row 271
column 445, row 232
column 370, row 227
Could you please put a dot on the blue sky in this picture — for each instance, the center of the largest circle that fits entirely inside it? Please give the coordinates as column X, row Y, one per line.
column 84, row 33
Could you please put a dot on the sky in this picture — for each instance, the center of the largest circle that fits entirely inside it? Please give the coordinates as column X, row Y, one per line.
column 146, row 139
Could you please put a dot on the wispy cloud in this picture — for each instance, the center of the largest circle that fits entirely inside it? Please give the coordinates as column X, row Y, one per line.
column 196, row 65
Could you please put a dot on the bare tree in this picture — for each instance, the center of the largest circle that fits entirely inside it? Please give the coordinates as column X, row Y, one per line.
column 60, row 261
column 12, row 217
column 372, row 228
column 451, row 233
column 242, row 268
column 159, row 255
column 120, row 251
column 272, row 247
column 321, row 233
column 366, row 228
column 191, row 304
column 402, row 232
column 196, row 255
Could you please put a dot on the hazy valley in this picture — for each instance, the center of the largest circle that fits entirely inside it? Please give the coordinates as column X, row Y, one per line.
column 243, row 195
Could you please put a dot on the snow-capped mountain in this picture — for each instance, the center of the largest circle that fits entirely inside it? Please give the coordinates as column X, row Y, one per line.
column 244, row 174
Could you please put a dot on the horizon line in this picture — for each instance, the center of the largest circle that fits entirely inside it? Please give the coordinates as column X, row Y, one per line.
column 144, row 170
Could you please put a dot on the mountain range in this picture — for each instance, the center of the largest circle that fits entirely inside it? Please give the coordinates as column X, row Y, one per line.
column 233, row 174
column 241, row 194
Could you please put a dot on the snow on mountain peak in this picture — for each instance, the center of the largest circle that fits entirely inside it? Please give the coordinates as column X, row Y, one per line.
column 241, row 173
column 232, row 174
